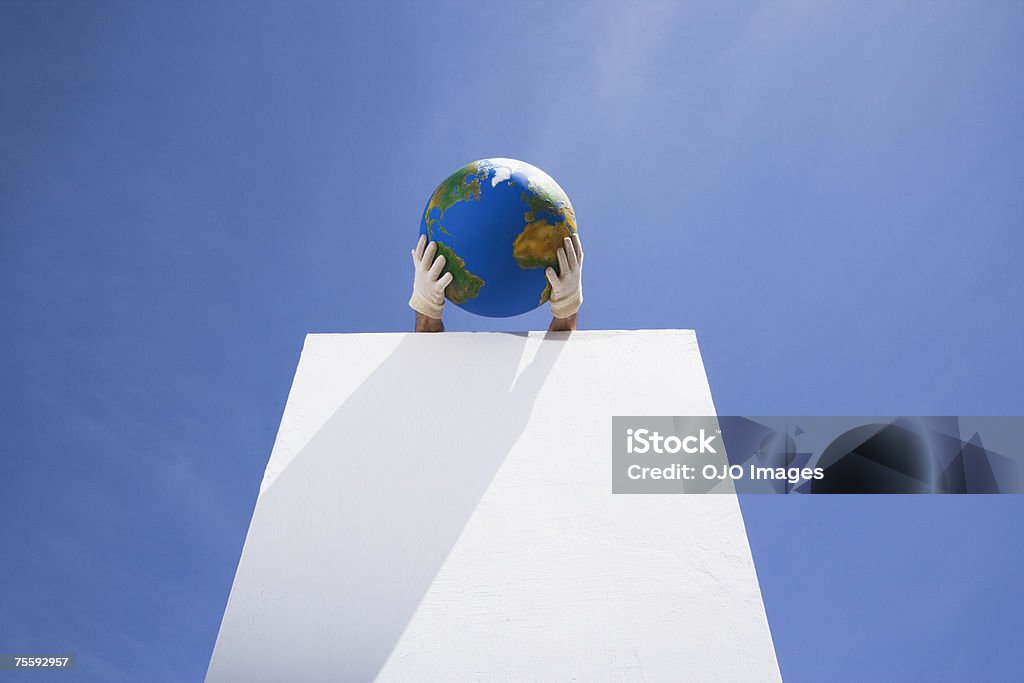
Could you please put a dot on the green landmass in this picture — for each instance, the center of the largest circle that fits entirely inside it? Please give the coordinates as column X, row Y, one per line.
column 461, row 186
column 548, row 222
column 539, row 202
column 547, row 225
column 464, row 285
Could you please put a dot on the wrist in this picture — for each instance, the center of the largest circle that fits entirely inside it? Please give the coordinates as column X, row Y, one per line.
column 425, row 323
column 564, row 324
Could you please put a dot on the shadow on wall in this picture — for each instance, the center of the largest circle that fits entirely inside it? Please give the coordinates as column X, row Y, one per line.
column 345, row 543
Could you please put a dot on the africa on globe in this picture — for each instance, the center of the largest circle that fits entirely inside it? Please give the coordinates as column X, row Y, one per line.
column 499, row 224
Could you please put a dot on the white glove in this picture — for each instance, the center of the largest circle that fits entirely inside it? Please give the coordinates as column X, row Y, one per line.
column 427, row 287
column 567, row 286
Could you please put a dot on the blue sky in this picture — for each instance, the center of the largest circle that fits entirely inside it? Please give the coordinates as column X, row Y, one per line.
column 830, row 194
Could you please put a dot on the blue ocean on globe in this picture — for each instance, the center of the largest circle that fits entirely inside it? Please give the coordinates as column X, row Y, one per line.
column 499, row 224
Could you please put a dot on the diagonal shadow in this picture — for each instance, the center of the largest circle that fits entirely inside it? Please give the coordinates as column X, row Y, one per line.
column 345, row 543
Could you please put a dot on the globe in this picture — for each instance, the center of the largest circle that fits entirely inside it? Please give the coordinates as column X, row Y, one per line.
column 499, row 224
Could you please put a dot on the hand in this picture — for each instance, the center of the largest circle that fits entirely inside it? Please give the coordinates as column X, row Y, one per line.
column 567, row 286
column 428, row 284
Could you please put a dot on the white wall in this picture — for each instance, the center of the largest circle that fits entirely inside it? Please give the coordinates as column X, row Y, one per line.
column 439, row 507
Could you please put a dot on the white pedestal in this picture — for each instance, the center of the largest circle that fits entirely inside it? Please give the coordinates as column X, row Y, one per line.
column 438, row 507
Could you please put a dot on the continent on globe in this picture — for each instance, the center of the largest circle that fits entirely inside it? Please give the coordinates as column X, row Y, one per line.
column 499, row 224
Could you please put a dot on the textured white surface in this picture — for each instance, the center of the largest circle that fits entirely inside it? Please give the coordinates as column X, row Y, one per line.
column 439, row 507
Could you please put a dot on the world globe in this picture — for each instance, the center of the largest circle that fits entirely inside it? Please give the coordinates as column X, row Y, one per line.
column 499, row 224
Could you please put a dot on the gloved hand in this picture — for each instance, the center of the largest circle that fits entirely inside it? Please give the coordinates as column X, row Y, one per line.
column 567, row 285
column 427, row 287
